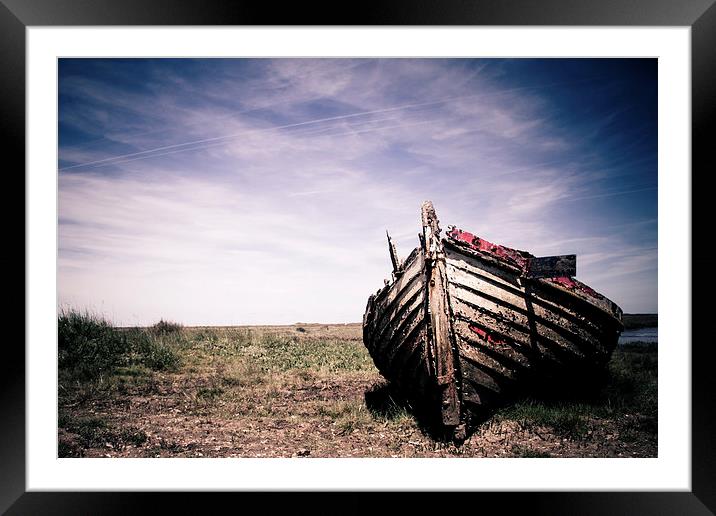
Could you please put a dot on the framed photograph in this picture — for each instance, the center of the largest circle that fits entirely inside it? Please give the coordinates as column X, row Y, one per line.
column 207, row 194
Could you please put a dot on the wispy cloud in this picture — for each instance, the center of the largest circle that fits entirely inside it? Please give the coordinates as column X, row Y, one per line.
column 249, row 191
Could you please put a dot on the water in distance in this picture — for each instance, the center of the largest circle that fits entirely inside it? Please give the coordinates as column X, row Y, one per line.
column 639, row 335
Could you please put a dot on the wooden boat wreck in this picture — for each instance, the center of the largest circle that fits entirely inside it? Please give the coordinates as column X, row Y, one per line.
column 465, row 325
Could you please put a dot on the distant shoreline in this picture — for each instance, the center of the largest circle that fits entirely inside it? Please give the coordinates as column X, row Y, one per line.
column 631, row 322
column 636, row 321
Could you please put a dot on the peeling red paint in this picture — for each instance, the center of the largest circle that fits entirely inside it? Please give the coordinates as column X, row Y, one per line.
column 485, row 335
column 517, row 258
column 573, row 284
column 512, row 256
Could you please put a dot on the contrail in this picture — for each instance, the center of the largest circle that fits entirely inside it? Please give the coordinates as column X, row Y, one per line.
column 248, row 109
column 307, row 122
column 116, row 137
column 252, row 131
column 216, row 144
column 610, row 194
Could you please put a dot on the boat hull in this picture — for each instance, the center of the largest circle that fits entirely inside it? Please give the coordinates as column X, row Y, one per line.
column 395, row 332
column 464, row 327
column 513, row 334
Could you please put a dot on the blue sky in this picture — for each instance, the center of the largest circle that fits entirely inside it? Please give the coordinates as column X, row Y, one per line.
column 250, row 191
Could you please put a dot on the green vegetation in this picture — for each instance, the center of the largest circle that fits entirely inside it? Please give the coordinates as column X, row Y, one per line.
column 274, row 351
column 350, row 415
column 629, row 398
column 167, row 327
column 96, row 432
column 209, row 393
column 90, row 348
column 347, row 415
column 569, row 419
column 306, row 390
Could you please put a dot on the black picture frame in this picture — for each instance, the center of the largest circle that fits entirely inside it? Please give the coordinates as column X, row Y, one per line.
column 700, row 15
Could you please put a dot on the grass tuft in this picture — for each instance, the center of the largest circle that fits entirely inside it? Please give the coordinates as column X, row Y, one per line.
column 91, row 348
column 209, row 393
column 88, row 346
column 167, row 327
column 628, row 398
column 349, row 416
column 564, row 418
column 317, row 389
column 95, row 432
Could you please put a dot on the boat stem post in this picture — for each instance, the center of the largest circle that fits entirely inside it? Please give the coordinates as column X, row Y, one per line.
column 440, row 332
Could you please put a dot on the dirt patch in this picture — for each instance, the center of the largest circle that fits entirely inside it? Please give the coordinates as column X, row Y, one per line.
column 300, row 391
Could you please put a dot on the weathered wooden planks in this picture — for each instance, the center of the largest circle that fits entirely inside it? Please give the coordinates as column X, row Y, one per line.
column 440, row 333
column 507, row 333
column 395, row 329
column 466, row 323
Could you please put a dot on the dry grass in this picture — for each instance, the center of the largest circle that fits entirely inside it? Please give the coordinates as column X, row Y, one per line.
column 300, row 391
